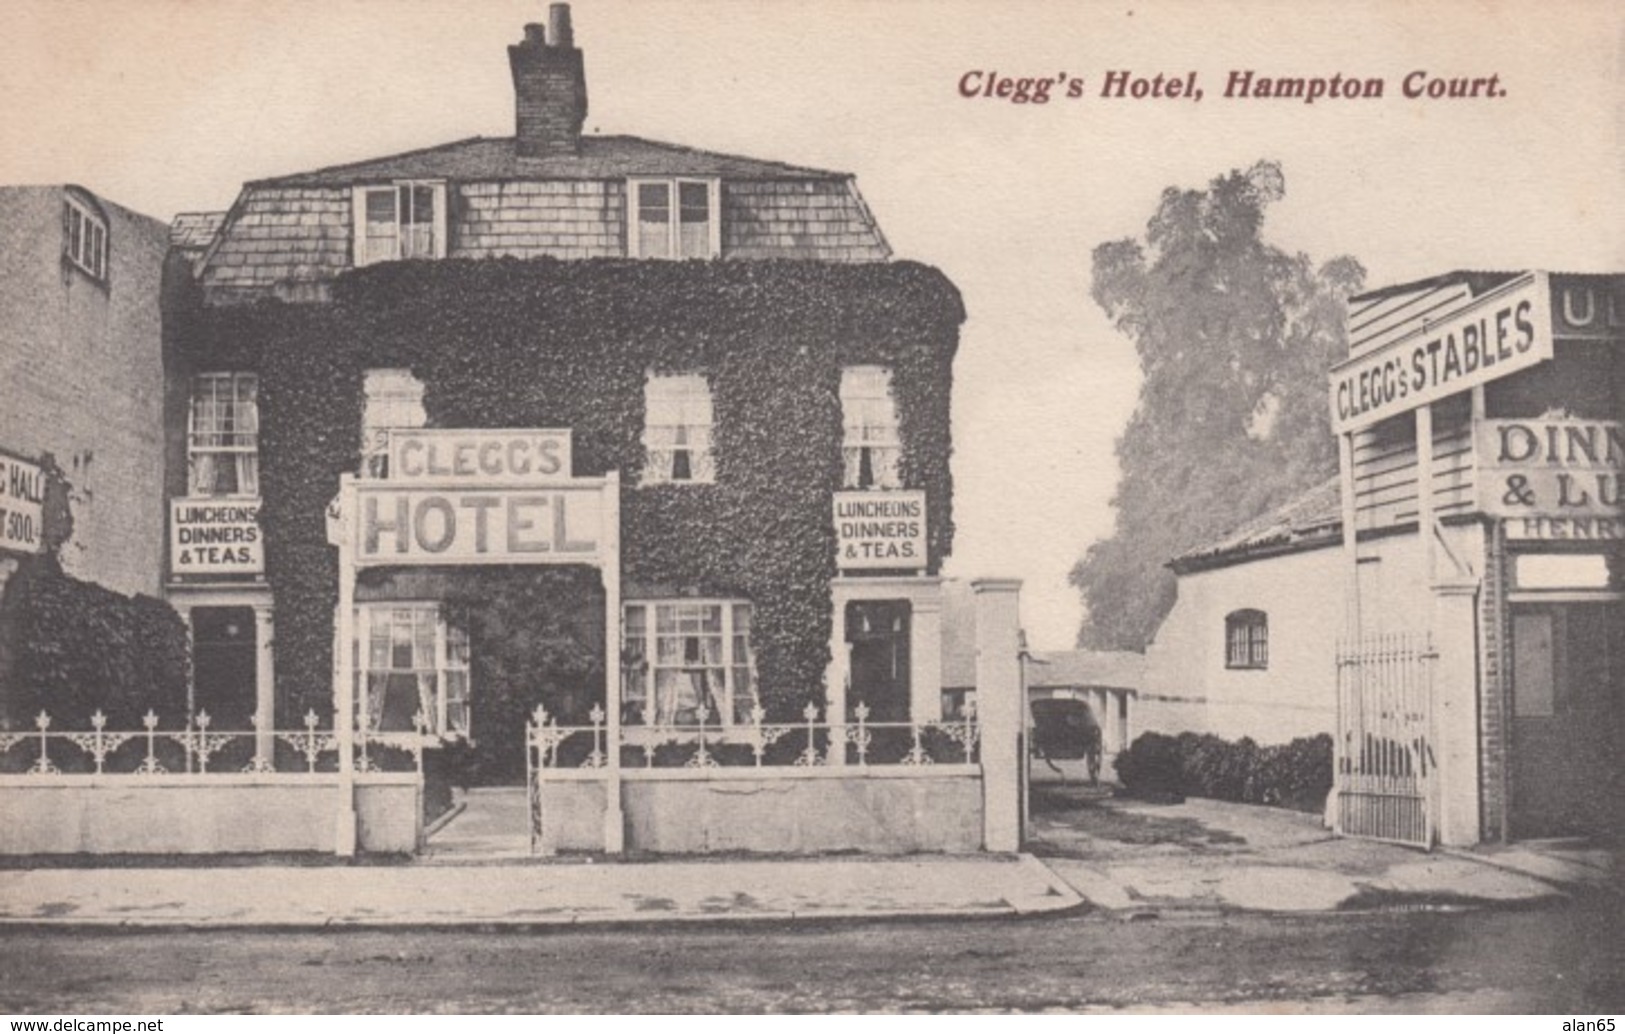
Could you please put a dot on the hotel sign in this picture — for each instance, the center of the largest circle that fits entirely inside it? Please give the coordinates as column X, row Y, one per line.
column 1553, row 479
column 879, row 530
column 215, row 536
column 489, row 457
column 22, row 505
column 491, row 524
column 1499, row 333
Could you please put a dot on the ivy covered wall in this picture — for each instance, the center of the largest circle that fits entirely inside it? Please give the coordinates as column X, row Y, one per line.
column 545, row 343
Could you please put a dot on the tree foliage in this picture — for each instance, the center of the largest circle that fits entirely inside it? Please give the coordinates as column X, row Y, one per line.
column 1234, row 337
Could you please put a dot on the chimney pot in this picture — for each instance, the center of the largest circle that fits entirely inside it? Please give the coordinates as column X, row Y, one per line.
column 558, row 26
column 535, row 35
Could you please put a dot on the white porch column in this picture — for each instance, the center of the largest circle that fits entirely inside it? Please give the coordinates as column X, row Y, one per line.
column 614, row 815
column 264, row 687
column 344, row 828
column 925, row 657
column 837, row 674
column 1455, row 711
column 999, row 708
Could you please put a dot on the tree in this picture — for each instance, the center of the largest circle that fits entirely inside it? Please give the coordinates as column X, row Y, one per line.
column 1234, row 337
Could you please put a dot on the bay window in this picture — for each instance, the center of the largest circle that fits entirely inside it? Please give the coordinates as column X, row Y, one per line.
column 673, row 219
column 414, row 663
column 222, row 439
column 679, row 656
column 399, row 221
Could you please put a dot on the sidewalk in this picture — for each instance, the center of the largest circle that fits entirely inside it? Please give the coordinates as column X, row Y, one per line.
column 1135, row 857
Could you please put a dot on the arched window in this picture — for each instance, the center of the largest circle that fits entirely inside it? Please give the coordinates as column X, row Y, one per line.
column 1246, row 639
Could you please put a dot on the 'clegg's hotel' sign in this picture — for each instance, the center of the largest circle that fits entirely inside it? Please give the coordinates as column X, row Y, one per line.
column 1503, row 331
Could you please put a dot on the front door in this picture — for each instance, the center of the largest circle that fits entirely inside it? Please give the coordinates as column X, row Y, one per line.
column 877, row 631
column 1568, row 719
column 224, row 656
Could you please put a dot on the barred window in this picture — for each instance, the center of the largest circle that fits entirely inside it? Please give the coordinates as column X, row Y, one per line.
column 222, row 442
column 1247, row 639
column 393, row 401
column 677, row 430
column 870, row 442
column 681, row 655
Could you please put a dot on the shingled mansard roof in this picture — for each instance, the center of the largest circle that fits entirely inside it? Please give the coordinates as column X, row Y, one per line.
column 1311, row 520
column 486, row 159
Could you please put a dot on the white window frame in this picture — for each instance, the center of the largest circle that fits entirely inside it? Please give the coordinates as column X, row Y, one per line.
column 238, row 442
column 641, row 664
column 673, row 185
column 679, row 415
column 392, row 400
column 84, row 237
column 450, row 657
column 869, row 422
column 358, row 220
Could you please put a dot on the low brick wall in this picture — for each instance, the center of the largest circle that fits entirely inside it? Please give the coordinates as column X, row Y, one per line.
column 673, row 813
column 223, row 814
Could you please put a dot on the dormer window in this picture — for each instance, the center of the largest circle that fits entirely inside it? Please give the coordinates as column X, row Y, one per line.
column 84, row 237
column 673, row 219
column 400, row 221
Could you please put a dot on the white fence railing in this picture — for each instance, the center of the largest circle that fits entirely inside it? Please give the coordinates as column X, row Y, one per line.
column 553, row 750
column 193, row 747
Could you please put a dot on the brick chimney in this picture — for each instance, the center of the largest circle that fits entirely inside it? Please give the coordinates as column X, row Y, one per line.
column 549, row 88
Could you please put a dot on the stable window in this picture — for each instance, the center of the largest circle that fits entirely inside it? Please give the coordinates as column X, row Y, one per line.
column 870, row 444
column 1246, row 639
column 677, row 430
column 681, row 656
column 393, row 400
column 399, row 221
column 84, row 237
column 415, row 667
column 222, row 440
column 673, row 219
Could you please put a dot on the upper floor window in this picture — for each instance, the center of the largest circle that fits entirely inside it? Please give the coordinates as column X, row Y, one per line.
column 683, row 655
column 673, row 219
column 84, row 237
column 399, row 221
column 415, row 666
column 870, row 443
column 222, row 435
column 677, row 429
column 1246, row 639
column 393, row 400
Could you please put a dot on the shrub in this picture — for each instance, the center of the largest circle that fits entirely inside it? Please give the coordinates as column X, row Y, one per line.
column 1294, row 775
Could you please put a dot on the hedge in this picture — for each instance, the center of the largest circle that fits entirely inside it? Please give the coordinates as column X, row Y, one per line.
column 1294, row 775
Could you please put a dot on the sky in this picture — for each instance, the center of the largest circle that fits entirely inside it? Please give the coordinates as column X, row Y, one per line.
column 167, row 106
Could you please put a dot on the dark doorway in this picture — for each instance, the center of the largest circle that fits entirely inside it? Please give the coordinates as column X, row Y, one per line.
column 224, row 655
column 1568, row 719
column 877, row 631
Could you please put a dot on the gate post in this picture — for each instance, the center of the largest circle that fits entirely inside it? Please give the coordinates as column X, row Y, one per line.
column 999, row 708
column 1455, row 712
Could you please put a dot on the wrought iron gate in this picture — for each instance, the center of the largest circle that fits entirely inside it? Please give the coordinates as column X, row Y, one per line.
column 1385, row 762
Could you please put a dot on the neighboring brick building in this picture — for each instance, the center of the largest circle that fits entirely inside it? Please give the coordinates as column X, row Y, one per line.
column 81, row 374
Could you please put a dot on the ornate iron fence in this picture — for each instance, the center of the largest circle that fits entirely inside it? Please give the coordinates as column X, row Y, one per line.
column 195, row 748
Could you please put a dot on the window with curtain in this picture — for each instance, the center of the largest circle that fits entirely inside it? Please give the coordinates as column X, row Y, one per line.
column 414, row 663
column 399, row 221
column 222, row 442
column 393, row 400
column 681, row 655
column 673, row 219
column 1247, row 639
column 677, row 430
column 870, row 441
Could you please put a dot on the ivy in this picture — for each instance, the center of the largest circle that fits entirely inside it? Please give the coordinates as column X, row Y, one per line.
column 546, row 343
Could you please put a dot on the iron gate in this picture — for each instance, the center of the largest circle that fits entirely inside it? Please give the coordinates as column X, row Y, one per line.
column 1385, row 763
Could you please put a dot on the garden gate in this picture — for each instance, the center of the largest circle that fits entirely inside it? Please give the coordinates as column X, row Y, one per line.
column 1385, row 768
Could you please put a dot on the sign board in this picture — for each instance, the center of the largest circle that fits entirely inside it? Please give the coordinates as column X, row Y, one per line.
column 487, row 457
column 215, row 536
column 879, row 530
column 22, row 505
column 1501, row 332
column 450, row 523
column 1589, row 307
column 1553, row 479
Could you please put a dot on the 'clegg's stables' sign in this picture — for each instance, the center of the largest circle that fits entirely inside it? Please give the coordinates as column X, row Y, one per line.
column 1504, row 331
